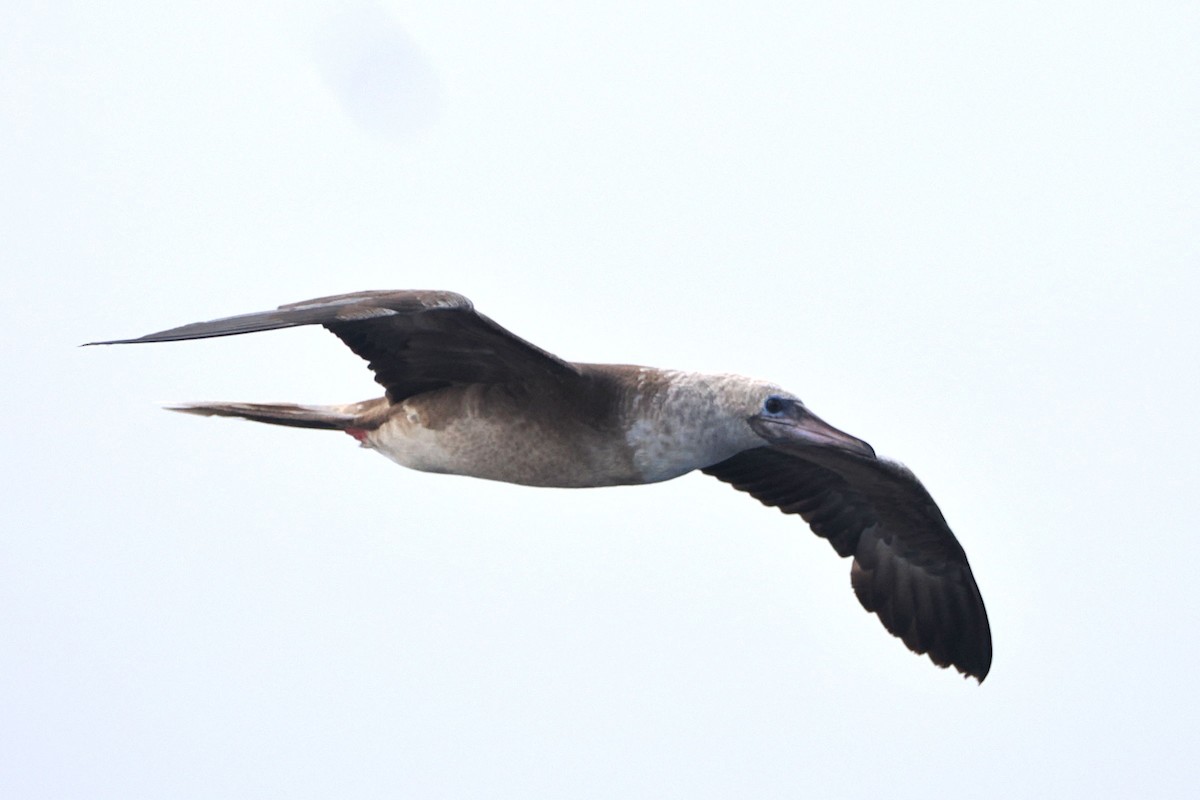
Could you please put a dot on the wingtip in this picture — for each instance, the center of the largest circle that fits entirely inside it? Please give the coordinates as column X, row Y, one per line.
column 189, row 408
column 981, row 672
column 976, row 667
column 969, row 670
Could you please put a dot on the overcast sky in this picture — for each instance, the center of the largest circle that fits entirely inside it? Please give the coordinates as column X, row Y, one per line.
column 966, row 234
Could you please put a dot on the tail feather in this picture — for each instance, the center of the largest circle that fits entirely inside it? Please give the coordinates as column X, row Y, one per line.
column 365, row 415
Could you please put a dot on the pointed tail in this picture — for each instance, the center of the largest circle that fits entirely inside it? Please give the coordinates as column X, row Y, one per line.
column 367, row 415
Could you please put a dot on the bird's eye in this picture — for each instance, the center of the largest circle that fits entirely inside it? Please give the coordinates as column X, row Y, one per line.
column 774, row 405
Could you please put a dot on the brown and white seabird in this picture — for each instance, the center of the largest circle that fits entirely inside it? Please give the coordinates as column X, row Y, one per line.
column 466, row 397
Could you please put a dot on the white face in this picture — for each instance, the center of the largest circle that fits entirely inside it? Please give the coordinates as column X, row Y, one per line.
column 767, row 401
column 737, row 402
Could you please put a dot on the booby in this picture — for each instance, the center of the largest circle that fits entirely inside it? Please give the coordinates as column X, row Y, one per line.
column 464, row 396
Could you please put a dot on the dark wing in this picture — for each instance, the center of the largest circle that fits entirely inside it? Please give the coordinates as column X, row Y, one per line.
column 414, row 341
column 908, row 567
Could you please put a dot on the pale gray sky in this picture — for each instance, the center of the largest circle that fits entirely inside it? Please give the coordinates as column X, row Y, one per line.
column 966, row 234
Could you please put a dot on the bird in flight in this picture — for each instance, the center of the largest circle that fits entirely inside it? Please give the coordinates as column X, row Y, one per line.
column 464, row 396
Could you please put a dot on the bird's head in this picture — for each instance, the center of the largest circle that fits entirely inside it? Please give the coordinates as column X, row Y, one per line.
column 783, row 421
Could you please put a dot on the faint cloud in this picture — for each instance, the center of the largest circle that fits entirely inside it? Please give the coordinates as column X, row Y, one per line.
column 382, row 80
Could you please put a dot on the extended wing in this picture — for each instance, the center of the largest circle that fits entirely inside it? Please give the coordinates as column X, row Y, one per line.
column 908, row 568
column 414, row 341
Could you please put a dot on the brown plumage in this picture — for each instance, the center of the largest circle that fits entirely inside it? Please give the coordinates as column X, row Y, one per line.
column 465, row 396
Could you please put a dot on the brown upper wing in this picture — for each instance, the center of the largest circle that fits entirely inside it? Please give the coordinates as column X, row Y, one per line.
column 908, row 567
column 414, row 341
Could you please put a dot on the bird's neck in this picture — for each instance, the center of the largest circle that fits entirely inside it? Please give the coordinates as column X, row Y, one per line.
column 675, row 422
